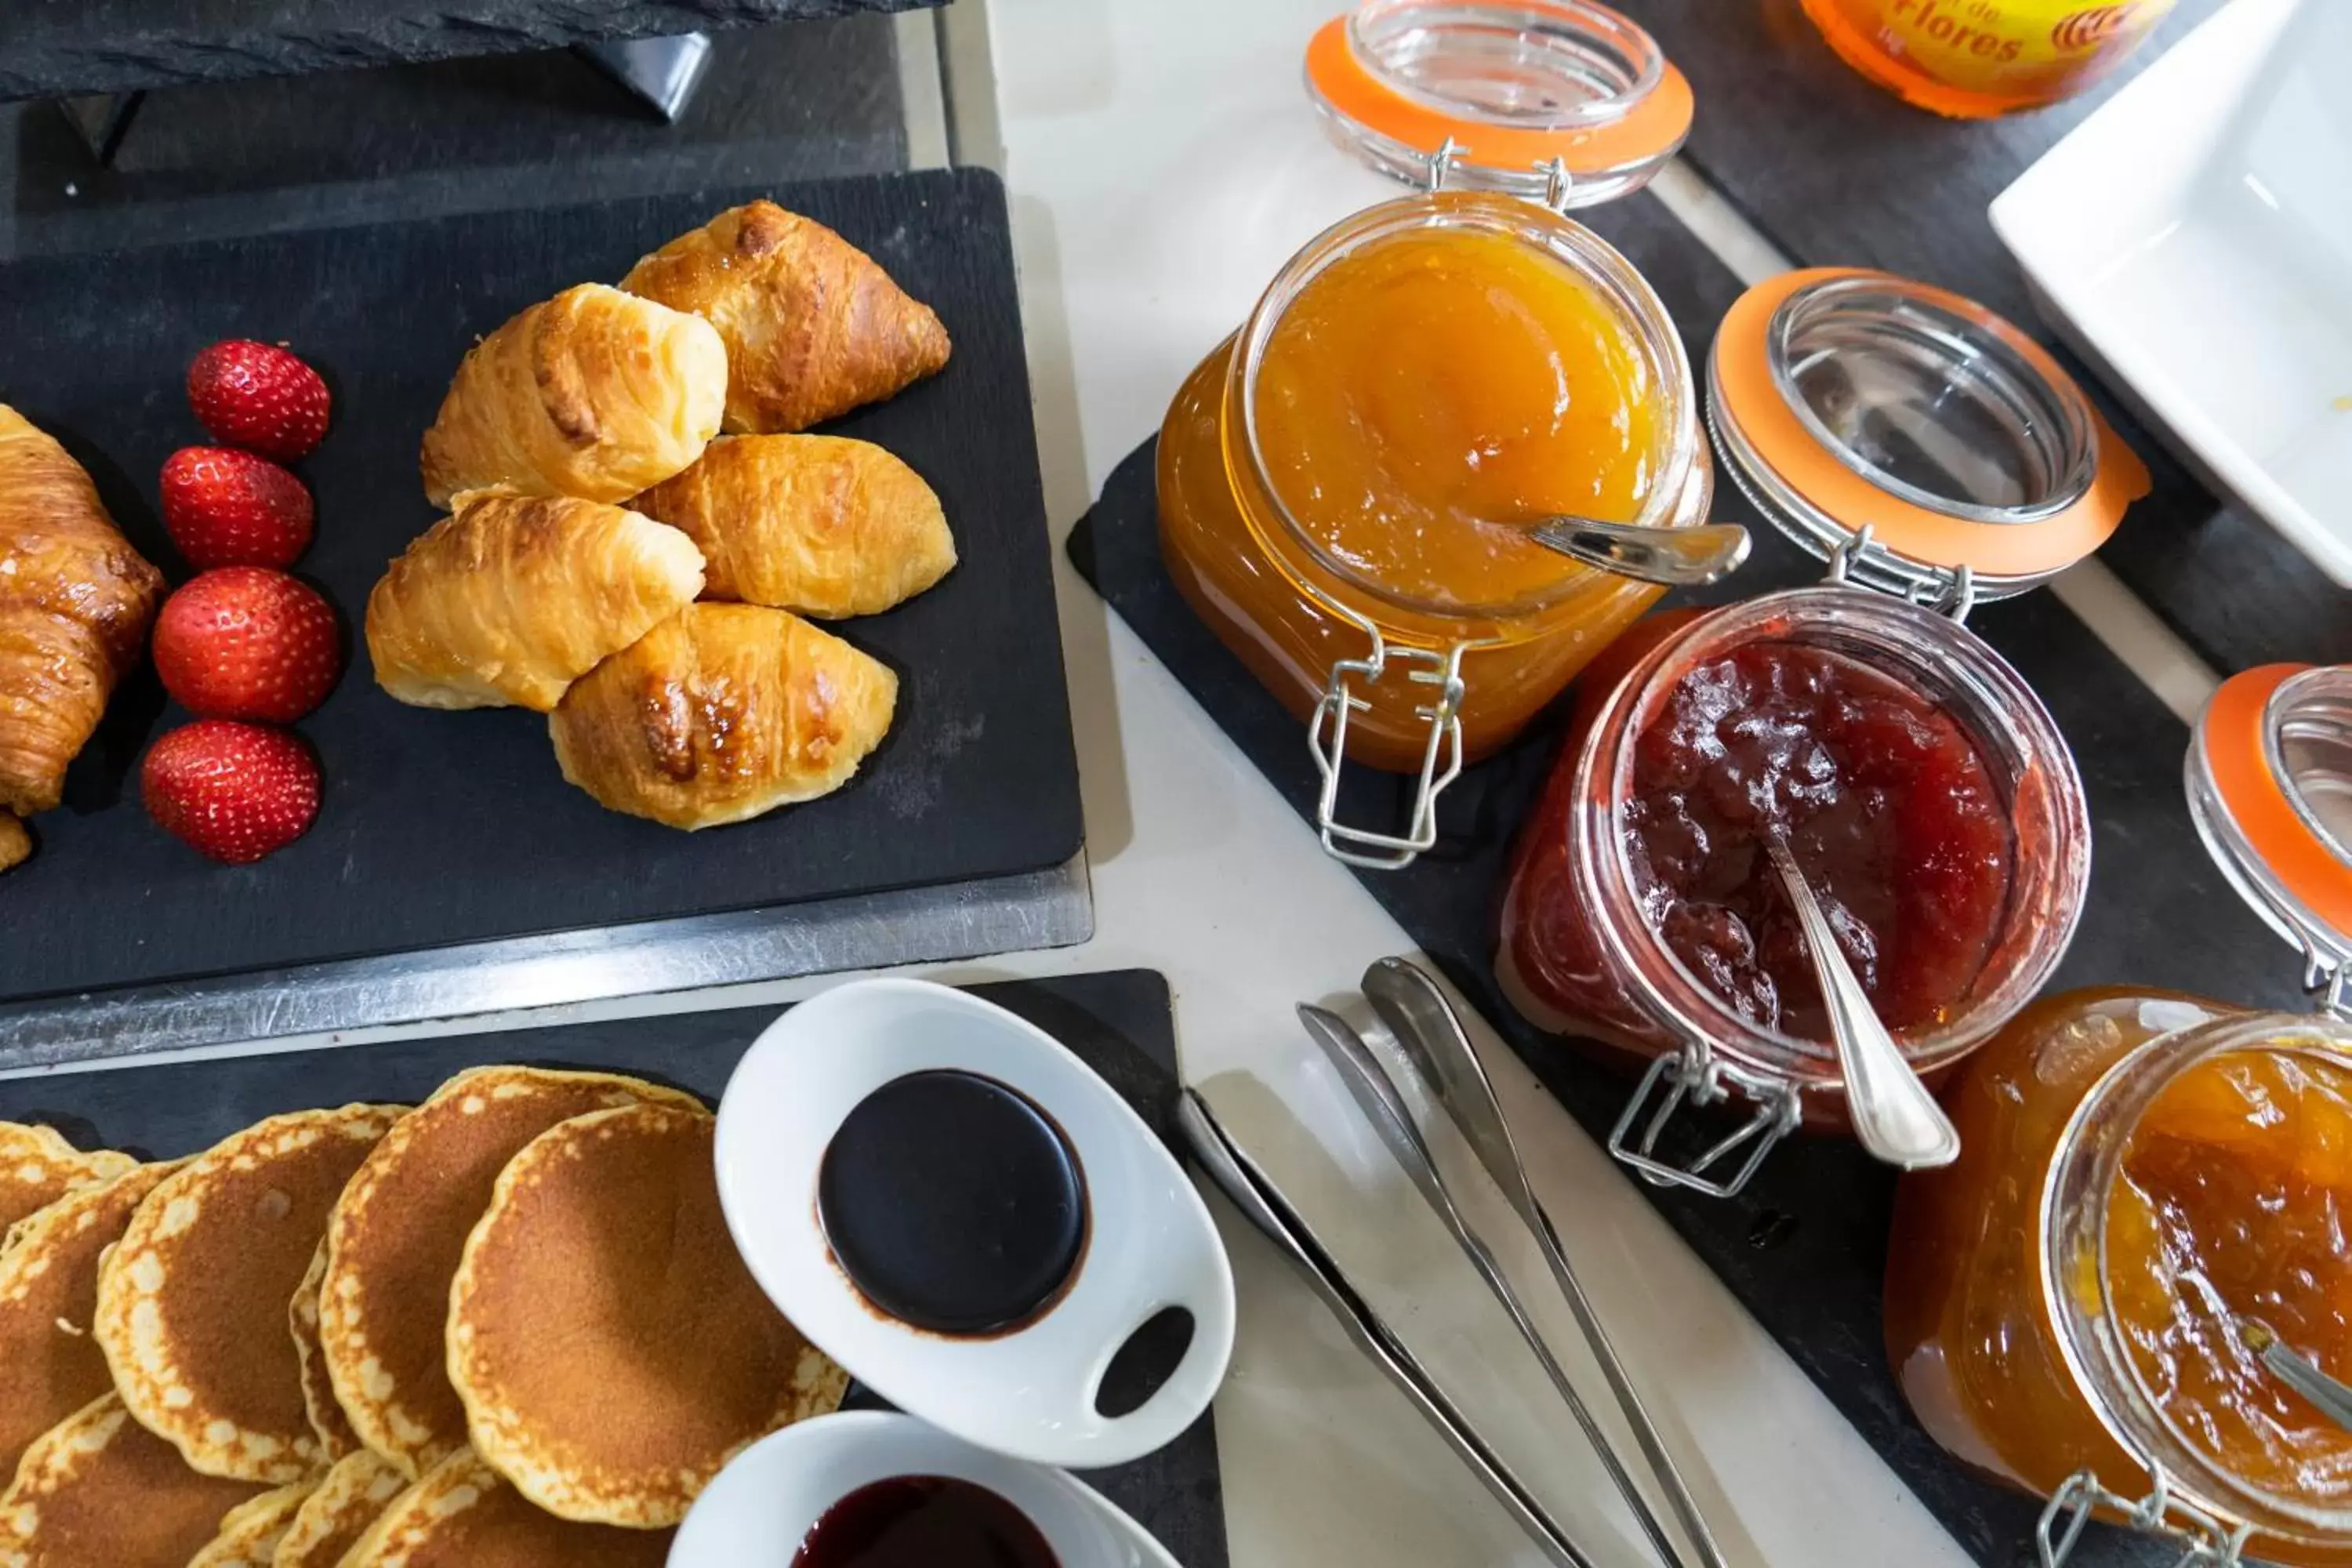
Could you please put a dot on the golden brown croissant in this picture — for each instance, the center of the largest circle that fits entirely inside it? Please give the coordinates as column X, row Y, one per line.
column 14, row 842
column 813, row 326
column 511, row 598
column 820, row 524
column 720, row 713
column 75, row 600
column 595, row 393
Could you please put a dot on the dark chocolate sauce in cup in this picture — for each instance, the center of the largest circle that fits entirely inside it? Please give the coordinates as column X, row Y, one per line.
column 924, row 1521
column 953, row 1203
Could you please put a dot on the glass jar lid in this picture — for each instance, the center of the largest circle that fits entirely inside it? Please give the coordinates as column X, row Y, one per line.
column 2270, row 788
column 1497, row 96
column 1925, row 442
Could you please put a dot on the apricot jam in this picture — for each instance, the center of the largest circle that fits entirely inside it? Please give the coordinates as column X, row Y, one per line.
column 2064, row 1297
column 1418, row 385
column 2235, row 1202
column 1883, row 798
column 1427, row 396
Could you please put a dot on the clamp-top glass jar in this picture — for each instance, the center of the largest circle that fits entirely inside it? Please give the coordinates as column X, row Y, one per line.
column 2152, row 1188
column 1934, row 455
column 1346, row 485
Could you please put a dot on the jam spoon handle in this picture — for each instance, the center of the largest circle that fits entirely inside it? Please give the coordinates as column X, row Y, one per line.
column 1677, row 557
column 1894, row 1115
column 2333, row 1399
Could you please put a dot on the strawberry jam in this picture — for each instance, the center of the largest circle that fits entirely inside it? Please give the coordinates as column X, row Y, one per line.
column 1883, row 798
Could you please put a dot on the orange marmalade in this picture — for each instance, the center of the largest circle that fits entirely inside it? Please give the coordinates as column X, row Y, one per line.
column 2139, row 1172
column 1420, row 385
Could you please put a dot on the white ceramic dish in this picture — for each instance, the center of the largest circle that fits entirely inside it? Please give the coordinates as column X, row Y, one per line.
column 2193, row 239
column 1031, row 1392
column 759, row 1508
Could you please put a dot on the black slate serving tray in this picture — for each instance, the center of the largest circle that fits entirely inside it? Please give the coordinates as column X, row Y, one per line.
column 51, row 49
column 1118, row 1022
column 1839, row 172
column 449, row 827
column 1804, row 1246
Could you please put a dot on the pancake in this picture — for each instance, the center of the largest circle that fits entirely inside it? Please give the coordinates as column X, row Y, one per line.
column 396, row 1238
column 327, row 1422
column 611, row 1348
column 49, row 1365
column 333, row 1518
column 37, row 1167
column 100, row 1491
column 191, row 1303
column 249, row 1535
column 463, row 1515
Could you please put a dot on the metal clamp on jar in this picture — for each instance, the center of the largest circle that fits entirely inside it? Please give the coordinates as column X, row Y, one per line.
column 1934, row 457
column 2129, row 1295
column 1347, row 503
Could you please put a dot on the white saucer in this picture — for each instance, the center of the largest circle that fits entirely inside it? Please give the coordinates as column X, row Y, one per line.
column 1029, row 1392
column 761, row 1506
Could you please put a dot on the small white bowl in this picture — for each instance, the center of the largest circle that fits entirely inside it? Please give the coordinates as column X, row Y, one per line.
column 1029, row 1392
column 762, row 1505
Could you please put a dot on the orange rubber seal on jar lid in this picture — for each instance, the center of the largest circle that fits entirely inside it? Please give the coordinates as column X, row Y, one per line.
column 2235, row 733
column 1651, row 127
column 1753, row 399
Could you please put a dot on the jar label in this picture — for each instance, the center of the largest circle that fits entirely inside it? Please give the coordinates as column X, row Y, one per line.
column 2025, row 47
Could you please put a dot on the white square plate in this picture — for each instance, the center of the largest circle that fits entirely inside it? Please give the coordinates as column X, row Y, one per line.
column 2193, row 240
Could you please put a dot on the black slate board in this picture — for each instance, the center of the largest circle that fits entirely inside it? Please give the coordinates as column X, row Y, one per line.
column 444, row 828
column 54, row 48
column 1804, row 1247
column 1118, row 1022
column 1837, row 172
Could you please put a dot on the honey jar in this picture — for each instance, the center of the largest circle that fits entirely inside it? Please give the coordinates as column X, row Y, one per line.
column 1935, row 456
column 1346, row 484
column 1976, row 59
column 2153, row 1187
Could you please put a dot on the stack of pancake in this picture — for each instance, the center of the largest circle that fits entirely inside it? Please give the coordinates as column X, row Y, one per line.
column 506, row 1326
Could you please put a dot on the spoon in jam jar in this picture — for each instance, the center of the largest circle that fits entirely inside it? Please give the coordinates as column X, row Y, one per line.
column 1894, row 1115
column 1677, row 557
column 2329, row 1397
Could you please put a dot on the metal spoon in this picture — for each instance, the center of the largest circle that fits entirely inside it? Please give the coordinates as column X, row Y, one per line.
column 1894, row 1115
column 1409, row 1002
column 1369, row 1083
column 2333, row 1399
column 1677, row 557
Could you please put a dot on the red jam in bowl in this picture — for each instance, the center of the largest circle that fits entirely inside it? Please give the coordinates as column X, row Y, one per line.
column 1882, row 797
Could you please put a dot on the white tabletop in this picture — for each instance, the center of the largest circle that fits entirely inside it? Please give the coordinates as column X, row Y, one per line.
column 1163, row 162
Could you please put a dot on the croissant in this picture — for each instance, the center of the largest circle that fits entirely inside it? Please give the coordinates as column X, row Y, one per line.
column 75, row 602
column 813, row 326
column 820, row 524
column 722, row 712
column 511, row 598
column 595, row 393
column 16, row 844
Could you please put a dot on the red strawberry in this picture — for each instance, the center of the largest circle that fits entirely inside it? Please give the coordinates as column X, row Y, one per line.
column 234, row 792
column 227, row 507
column 244, row 642
column 258, row 396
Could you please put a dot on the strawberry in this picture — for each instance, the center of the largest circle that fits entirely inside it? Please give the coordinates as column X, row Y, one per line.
column 244, row 642
column 232, row 792
column 226, row 508
column 258, row 396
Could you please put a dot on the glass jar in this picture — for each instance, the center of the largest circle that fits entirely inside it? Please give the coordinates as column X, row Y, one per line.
column 2140, row 1173
column 1975, row 59
column 1934, row 455
column 1582, row 952
column 1367, row 560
